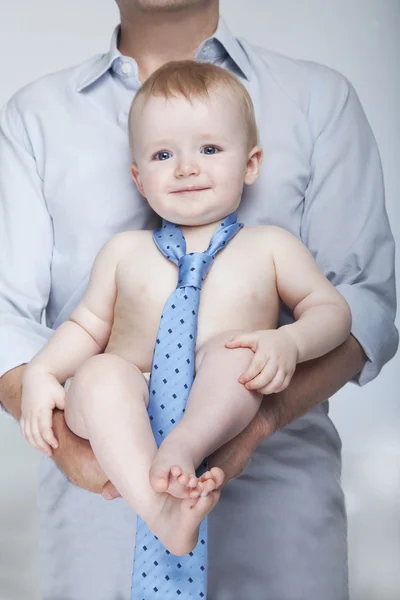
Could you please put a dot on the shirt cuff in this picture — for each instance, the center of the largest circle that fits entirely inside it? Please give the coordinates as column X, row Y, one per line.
column 373, row 328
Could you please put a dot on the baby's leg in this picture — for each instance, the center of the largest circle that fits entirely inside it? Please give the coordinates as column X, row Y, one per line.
column 106, row 404
column 218, row 409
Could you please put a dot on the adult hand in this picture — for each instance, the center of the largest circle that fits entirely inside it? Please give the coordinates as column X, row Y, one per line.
column 75, row 458
column 233, row 457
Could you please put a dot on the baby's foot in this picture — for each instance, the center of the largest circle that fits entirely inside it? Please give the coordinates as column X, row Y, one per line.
column 192, row 486
column 173, row 472
column 177, row 522
column 183, row 485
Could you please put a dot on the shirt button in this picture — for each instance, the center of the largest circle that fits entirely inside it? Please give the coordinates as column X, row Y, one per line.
column 126, row 67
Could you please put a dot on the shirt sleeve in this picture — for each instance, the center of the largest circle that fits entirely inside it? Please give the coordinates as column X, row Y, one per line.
column 345, row 223
column 26, row 240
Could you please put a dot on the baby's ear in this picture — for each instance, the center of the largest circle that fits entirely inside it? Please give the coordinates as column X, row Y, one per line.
column 136, row 177
column 253, row 165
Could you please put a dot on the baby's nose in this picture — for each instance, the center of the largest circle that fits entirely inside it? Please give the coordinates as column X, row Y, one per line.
column 187, row 168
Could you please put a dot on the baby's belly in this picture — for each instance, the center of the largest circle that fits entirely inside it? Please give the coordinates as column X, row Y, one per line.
column 134, row 340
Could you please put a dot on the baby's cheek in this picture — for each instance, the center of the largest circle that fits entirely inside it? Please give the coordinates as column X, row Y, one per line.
column 232, row 172
column 153, row 187
column 232, row 184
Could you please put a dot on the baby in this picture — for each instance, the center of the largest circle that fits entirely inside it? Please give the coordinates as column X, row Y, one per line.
column 194, row 145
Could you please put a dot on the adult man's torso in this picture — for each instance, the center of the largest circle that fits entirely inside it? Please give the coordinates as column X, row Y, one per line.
column 74, row 125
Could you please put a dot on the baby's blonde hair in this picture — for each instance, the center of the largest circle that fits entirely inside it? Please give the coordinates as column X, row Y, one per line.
column 194, row 80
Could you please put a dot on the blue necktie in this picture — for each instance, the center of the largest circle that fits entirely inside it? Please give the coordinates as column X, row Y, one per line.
column 158, row 574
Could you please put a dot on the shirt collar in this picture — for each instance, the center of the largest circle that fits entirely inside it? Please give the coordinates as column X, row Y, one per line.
column 207, row 50
column 103, row 64
column 233, row 47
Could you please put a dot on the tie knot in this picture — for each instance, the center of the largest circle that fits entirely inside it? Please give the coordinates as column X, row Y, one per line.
column 193, row 268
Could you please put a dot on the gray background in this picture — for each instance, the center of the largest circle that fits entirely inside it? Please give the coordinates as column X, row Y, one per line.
column 360, row 39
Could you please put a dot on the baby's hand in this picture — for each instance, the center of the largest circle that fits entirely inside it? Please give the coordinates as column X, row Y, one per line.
column 41, row 393
column 274, row 361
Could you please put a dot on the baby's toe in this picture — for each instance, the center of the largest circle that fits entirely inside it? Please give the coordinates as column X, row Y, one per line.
column 209, row 486
column 218, row 476
column 183, row 479
column 192, row 483
column 195, row 492
column 176, row 471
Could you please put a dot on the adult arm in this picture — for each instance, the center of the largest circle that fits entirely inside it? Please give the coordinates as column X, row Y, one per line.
column 345, row 223
column 26, row 237
column 345, row 226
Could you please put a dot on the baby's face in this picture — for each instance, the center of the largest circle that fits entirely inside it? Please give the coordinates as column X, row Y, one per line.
column 191, row 160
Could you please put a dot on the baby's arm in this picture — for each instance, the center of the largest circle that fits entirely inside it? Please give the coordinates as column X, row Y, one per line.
column 323, row 318
column 84, row 334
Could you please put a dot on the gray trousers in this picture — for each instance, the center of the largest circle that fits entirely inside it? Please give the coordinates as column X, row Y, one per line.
column 278, row 532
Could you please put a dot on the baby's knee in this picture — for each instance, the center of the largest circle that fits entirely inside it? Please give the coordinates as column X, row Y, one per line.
column 85, row 390
column 108, row 374
column 97, row 369
column 81, row 386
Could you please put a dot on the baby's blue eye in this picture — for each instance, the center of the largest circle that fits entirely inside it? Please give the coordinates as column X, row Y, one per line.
column 163, row 155
column 210, row 150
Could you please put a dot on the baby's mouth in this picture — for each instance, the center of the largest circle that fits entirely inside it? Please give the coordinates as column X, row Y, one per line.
column 191, row 188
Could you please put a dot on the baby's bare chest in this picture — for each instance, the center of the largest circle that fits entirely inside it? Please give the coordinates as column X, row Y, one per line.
column 239, row 291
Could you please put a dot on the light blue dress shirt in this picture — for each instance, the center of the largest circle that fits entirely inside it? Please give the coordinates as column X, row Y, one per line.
column 65, row 188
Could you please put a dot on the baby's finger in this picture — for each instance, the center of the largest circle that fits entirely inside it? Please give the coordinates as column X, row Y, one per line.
column 39, row 442
column 258, row 362
column 28, row 433
column 285, row 384
column 243, row 340
column 266, row 376
column 275, row 385
column 46, row 430
column 22, row 425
